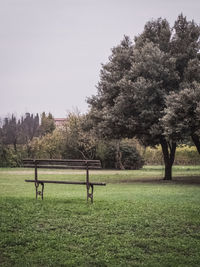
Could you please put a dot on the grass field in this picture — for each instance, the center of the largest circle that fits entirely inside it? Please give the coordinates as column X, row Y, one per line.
column 136, row 220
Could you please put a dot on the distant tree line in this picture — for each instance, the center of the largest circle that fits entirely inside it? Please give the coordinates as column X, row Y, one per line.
column 32, row 137
column 21, row 131
column 18, row 133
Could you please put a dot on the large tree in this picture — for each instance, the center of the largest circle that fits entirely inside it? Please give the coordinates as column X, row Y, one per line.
column 182, row 116
column 10, row 131
column 136, row 80
column 47, row 124
column 29, row 127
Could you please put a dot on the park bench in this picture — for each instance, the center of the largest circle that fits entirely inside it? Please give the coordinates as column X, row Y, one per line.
column 63, row 164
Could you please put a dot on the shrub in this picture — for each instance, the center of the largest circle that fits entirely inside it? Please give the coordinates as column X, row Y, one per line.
column 9, row 157
column 106, row 153
column 129, row 156
column 47, row 146
column 131, row 159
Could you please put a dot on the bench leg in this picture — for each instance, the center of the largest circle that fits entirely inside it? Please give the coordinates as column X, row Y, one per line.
column 39, row 193
column 90, row 192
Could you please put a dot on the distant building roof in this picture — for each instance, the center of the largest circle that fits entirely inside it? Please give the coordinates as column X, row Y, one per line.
column 59, row 121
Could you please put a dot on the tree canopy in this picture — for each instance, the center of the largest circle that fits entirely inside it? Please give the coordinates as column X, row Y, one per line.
column 182, row 115
column 134, row 84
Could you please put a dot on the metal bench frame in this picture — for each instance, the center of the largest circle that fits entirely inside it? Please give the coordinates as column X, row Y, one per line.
column 63, row 164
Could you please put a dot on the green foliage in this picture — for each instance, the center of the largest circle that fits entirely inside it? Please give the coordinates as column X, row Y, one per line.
column 131, row 159
column 103, row 115
column 129, row 156
column 9, row 157
column 153, row 156
column 106, row 152
column 182, row 118
column 185, row 44
column 130, row 101
column 10, row 131
column 47, row 146
column 77, row 142
column 130, row 98
column 47, row 124
column 29, row 128
column 24, row 136
column 72, row 141
column 156, row 31
column 185, row 155
column 17, row 134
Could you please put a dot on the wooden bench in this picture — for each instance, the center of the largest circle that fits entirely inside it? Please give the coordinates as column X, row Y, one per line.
column 63, row 164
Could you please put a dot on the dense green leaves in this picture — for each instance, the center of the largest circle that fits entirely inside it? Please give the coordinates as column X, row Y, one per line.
column 131, row 97
column 47, row 124
column 182, row 118
column 19, row 134
column 185, row 43
column 155, row 31
column 119, row 155
column 77, row 143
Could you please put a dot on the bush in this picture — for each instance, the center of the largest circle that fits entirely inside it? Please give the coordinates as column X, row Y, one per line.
column 47, row 146
column 106, row 153
column 77, row 143
column 130, row 157
column 9, row 157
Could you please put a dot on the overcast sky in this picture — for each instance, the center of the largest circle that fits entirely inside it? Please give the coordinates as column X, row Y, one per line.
column 51, row 50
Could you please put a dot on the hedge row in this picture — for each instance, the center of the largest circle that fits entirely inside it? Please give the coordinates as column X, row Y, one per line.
column 185, row 155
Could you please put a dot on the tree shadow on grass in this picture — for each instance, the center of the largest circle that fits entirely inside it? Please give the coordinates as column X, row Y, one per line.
column 185, row 180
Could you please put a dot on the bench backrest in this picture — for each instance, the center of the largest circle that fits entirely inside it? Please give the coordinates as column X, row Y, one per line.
column 62, row 164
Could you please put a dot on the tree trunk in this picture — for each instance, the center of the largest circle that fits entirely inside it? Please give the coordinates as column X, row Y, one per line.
column 168, row 150
column 118, row 157
column 196, row 141
column 28, row 150
column 168, row 172
column 15, row 145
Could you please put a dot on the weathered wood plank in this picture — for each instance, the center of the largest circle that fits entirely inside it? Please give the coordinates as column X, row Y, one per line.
column 59, row 160
column 62, row 167
column 64, row 182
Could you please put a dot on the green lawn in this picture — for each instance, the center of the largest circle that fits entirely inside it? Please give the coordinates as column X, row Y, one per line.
column 136, row 220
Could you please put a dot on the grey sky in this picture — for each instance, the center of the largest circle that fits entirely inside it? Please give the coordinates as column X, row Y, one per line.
column 51, row 50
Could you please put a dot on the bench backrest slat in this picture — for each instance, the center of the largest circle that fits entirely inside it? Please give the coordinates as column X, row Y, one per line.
column 62, row 164
column 62, row 167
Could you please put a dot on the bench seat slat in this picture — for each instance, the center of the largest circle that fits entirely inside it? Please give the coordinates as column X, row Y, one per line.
column 63, row 182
